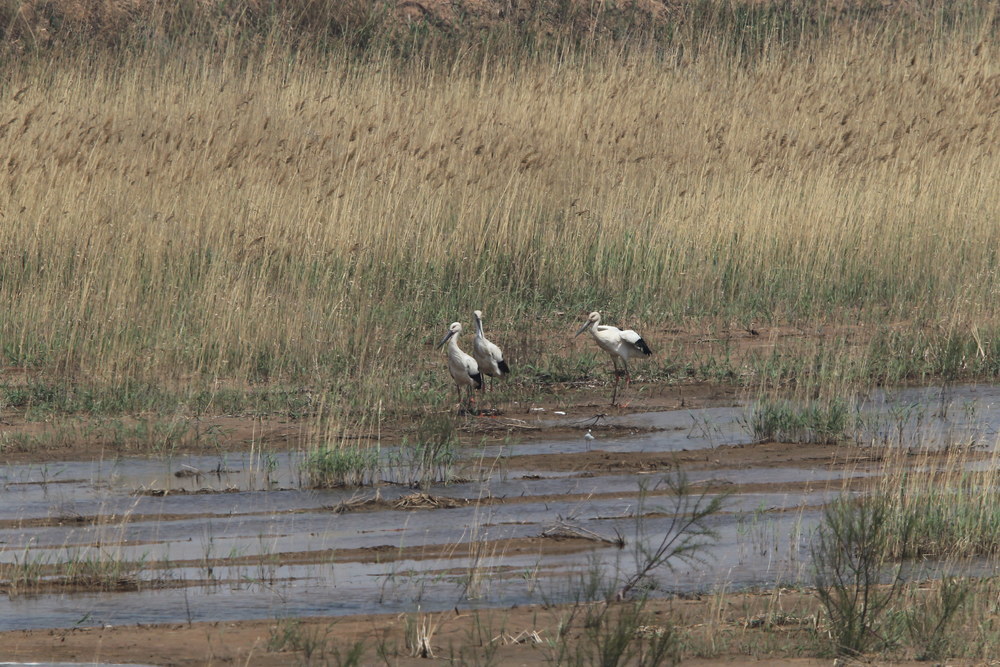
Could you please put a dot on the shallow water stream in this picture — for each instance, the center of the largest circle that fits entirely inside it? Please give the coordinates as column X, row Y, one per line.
column 213, row 525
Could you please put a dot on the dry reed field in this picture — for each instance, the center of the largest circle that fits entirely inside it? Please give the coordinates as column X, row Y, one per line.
column 203, row 221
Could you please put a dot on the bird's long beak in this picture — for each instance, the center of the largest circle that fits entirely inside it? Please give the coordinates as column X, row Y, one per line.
column 445, row 339
column 583, row 328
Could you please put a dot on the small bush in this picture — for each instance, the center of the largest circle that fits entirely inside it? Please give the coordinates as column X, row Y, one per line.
column 856, row 580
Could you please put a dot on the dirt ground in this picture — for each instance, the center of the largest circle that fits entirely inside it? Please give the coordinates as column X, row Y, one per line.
column 88, row 438
column 747, row 628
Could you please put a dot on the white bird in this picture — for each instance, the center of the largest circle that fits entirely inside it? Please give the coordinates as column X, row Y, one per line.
column 619, row 344
column 463, row 367
column 487, row 354
column 588, row 436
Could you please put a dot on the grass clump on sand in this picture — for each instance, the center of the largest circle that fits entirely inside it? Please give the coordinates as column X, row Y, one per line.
column 785, row 421
column 430, row 458
column 344, row 465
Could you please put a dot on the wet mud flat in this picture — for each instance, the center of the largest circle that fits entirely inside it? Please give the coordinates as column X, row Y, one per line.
column 231, row 538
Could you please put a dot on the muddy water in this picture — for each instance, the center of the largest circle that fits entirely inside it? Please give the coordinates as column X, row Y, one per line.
column 754, row 548
column 222, row 519
column 932, row 417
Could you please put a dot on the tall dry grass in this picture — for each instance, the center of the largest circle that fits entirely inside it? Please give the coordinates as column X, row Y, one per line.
column 191, row 220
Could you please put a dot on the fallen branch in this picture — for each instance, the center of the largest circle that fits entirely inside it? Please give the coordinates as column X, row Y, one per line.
column 566, row 530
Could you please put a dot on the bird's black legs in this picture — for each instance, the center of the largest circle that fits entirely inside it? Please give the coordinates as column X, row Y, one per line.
column 614, row 392
column 464, row 404
column 489, row 408
column 618, row 374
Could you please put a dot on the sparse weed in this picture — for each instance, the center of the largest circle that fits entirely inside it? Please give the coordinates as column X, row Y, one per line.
column 606, row 632
column 623, row 634
column 431, row 457
column 947, row 514
column 483, row 641
column 314, row 642
column 930, row 619
column 86, row 569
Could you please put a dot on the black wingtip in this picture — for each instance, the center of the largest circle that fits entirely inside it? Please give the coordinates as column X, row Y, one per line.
column 478, row 379
column 641, row 344
column 504, row 368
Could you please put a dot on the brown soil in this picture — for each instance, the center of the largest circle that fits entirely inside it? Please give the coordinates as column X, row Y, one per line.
column 740, row 626
column 82, row 438
column 86, row 441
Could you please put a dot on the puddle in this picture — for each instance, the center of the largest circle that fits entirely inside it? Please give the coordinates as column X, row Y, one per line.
column 257, row 508
column 673, row 431
column 932, row 417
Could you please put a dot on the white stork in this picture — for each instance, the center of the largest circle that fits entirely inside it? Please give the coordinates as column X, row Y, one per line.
column 617, row 343
column 487, row 354
column 463, row 368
